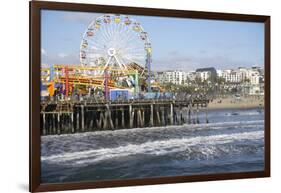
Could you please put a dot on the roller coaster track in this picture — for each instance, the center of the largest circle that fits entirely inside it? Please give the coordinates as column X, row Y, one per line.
column 77, row 74
column 87, row 81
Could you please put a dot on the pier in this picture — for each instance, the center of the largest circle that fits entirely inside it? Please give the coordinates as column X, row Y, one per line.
column 61, row 117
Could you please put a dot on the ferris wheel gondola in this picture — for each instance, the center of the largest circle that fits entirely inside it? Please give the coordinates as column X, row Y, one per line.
column 83, row 55
column 127, row 20
column 90, row 33
column 117, row 19
column 143, row 35
column 97, row 24
column 106, row 18
column 137, row 27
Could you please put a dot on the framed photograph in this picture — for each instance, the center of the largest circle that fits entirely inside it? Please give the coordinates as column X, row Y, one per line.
column 123, row 96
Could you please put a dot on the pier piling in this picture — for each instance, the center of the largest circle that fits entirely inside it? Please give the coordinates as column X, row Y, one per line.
column 206, row 109
column 151, row 116
column 123, row 118
column 171, row 114
column 197, row 114
column 59, row 117
column 82, row 118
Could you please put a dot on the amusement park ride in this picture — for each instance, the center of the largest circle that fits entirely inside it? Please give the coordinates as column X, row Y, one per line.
column 115, row 53
column 111, row 87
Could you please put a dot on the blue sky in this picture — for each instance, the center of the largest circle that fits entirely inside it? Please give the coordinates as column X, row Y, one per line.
column 182, row 44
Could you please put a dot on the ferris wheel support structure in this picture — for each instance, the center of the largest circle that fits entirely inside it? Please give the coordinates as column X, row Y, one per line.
column 112, row 56
column 148, row 66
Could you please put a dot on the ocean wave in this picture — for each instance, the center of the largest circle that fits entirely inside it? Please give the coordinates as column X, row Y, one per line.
column 200, row 146
column 247, row 113
column 202, row 126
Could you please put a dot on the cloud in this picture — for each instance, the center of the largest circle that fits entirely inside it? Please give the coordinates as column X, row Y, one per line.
column 221, row 62
column 174, row 52
column 78, row 17
column 43, row 65
column 62, row 55
column 43, row 51
column 61, row 58
column 203, row 52
column 188, row 63
column 174, row 63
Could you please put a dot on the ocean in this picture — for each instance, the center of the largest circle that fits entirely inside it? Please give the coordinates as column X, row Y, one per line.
column 232, row 141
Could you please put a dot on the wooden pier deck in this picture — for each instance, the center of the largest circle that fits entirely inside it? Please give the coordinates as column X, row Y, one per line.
column 60, row 117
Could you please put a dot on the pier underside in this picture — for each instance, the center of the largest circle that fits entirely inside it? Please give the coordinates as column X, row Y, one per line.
column 62, row 117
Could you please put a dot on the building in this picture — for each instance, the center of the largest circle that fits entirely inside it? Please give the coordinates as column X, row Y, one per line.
column 207, row 74
column 175, row 77
column 232, row 76
column 219, row 73
column 204, row 76
column 159, row 77
column 243, row 73
column 254, row 77
column 191, row 76
column 251, row 79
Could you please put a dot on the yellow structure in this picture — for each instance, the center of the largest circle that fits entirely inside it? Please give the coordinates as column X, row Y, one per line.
column 51, row 88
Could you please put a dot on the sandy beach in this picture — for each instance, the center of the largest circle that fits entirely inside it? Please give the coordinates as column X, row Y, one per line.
column 237, row 103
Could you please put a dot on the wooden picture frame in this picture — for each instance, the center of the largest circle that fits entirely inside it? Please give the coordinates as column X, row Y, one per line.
column 34, row 99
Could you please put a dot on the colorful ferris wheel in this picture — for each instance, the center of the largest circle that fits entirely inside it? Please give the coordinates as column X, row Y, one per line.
column 115, row 41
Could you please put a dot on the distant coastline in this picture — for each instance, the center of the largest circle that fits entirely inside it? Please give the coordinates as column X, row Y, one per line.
column 237, row 103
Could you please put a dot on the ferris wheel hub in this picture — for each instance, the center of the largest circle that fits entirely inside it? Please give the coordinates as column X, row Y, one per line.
column 111, row 52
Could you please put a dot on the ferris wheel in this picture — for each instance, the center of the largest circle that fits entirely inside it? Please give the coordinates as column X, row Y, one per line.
column 115, row 41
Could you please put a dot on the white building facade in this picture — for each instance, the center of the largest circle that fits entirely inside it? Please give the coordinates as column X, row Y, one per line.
column 204, row 76
column 175, row 77
column 250, row 78
column 232, row 76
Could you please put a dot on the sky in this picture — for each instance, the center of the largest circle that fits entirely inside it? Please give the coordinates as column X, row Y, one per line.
column 177, row 43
